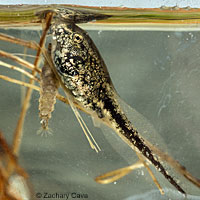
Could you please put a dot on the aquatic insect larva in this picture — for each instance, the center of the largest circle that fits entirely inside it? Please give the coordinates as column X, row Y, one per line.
column 49, row 86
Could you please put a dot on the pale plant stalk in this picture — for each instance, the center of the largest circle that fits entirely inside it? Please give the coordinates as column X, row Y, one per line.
column 8, row 38
column 23, row 89
column 20, row 61
column 114, row 175
column 12, row 80
column 24, row 72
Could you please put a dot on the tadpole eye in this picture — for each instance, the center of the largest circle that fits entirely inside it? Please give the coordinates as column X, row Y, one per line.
column 78, row 38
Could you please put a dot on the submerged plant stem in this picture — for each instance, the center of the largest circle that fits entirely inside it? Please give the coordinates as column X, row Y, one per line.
column 112, row 176
column 12, row 80
column 19, row 70
column 20, row 61
column 15, row 40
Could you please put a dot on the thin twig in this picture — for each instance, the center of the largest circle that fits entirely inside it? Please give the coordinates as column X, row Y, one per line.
column 23, row 89
column 18, row 69
column 12, row 80
column 112, row 176
column 23, row 55
column 20, row 61
column 18, row 41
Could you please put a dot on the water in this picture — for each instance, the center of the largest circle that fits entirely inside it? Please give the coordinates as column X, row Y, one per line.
column 157, row 73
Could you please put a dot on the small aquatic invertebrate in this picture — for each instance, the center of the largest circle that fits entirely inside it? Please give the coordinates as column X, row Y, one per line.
column 48, row 92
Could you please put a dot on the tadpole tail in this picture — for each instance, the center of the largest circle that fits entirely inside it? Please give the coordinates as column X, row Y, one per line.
column 124, row 127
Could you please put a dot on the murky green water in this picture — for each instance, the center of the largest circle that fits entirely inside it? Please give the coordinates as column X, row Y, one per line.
column 157, row 73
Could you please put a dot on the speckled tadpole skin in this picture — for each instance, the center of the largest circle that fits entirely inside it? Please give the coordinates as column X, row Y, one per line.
column 84, row 74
